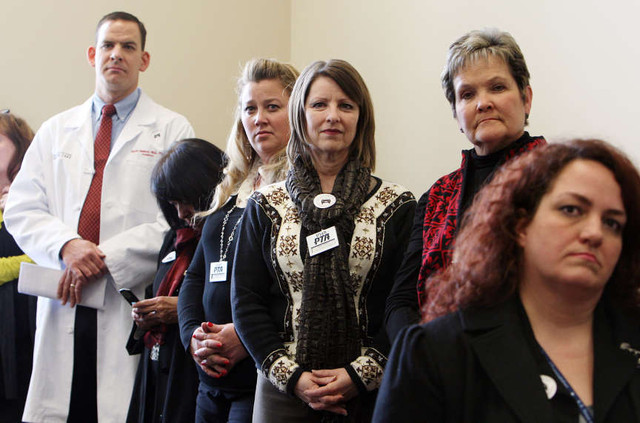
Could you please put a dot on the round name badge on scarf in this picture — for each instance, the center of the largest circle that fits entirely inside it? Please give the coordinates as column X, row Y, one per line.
column 324, row 201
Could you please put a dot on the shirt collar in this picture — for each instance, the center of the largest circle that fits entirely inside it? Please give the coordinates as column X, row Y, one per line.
column 124, row 107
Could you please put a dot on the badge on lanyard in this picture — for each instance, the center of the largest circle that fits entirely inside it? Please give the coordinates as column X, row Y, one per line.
column 169, row 257
column 218, row 271
column 322, row 241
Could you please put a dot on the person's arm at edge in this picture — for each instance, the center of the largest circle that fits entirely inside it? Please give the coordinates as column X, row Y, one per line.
column 28, row 217
column 250, row 285
column 359, row 369
column 409, row 390
column 131, row 255
column 402, row 305
column 190, row 308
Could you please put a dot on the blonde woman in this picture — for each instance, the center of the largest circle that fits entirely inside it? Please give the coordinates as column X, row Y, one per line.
column 256, row 152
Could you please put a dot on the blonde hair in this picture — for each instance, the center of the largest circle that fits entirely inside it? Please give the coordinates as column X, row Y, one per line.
column 243, row 161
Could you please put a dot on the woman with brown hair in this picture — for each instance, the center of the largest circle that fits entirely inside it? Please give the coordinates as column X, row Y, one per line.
column 17, row 311
column 536, row 319
column 318, row 252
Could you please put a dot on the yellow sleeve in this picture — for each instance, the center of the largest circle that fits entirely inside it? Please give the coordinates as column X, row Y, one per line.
column 10, row 267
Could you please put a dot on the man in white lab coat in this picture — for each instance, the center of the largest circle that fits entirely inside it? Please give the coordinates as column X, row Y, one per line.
column 43, row 211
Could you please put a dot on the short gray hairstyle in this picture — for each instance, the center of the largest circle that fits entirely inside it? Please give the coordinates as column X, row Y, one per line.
column 480, row 44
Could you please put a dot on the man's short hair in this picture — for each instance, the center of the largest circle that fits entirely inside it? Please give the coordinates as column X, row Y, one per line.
column 124, row 16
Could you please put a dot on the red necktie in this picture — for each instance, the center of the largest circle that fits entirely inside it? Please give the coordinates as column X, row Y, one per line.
column 89, row 223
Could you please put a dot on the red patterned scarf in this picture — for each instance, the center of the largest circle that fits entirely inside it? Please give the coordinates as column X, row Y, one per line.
column 186, row 242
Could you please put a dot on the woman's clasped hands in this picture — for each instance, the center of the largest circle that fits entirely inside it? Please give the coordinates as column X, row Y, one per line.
column 327, row 389
column 216, row 348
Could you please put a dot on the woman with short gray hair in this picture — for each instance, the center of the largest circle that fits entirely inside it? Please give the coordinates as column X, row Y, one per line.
column 486, row 81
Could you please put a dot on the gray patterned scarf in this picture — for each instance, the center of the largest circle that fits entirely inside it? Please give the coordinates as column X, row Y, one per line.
column 329, row 334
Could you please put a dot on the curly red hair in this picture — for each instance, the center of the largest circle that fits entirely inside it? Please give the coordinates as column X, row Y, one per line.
column 487, row 257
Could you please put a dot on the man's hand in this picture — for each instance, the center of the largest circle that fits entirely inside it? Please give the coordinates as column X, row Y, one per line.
column 84, row 264
column 70, row 288
column 84, row 259
column 155, row 311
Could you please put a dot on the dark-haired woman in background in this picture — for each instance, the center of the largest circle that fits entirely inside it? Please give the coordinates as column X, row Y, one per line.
column 166, row 383
column 544, row 301
column 486, row 82
column 17, row 311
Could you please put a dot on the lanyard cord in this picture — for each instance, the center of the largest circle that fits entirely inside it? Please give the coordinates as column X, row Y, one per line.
column 584, row 410
column 223, row 250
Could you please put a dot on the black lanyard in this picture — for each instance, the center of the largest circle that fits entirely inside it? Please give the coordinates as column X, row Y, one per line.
column 584, row 410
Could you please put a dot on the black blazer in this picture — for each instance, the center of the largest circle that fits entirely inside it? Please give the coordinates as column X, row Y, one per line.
column 484, row 366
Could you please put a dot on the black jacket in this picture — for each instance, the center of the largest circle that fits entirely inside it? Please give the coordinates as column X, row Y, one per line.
column 484, row 366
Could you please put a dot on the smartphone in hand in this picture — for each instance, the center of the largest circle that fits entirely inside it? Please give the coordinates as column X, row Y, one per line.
column 129, row 296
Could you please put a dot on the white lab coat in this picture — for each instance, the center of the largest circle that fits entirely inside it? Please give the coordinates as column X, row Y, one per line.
column 42, row 213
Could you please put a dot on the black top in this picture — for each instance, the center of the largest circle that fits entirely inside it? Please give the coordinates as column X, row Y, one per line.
column 479, row 168
column 18, row 323
column 402, row 307
column 204, row 301
column 164, row 390
column 486, row 366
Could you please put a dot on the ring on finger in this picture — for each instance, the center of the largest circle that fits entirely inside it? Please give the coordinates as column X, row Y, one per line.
column 72, row 285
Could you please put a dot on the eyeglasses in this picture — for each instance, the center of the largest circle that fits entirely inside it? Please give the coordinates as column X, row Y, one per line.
column 5, row 111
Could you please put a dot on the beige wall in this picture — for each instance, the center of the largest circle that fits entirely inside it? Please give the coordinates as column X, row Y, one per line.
column 197, row 48
column 582, row 55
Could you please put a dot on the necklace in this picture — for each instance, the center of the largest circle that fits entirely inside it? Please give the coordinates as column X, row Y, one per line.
column 224, row 250
column 218, row 269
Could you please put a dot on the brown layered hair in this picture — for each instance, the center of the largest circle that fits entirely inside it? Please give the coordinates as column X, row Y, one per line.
column 17, row 130
column 349, row 81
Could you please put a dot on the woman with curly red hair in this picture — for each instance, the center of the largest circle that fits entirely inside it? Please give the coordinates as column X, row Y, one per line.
column 537, row 317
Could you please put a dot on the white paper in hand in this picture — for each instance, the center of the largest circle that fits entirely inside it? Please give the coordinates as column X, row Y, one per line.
column 43, row 282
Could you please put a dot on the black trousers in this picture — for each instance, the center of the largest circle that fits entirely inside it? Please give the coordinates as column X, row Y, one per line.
column 83, row 407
